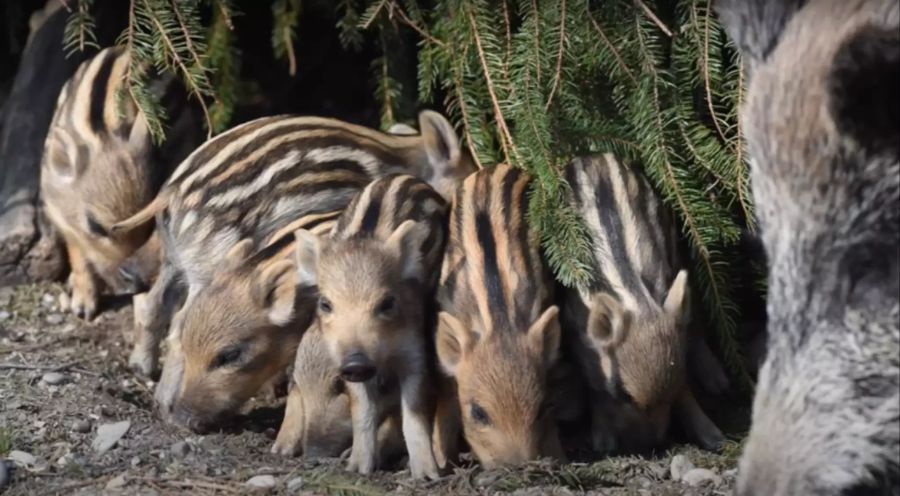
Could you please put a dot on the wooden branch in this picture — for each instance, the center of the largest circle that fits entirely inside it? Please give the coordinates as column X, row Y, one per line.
column 49, row 368
column 195, row 56
column 409, row 22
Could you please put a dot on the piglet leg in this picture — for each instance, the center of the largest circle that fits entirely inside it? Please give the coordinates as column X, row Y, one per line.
column 417, row 426
column 364, row 412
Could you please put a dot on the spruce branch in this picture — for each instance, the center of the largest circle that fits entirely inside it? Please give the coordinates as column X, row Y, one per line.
column 286, row 14
column 649, row 12
column 80, row 28
column 505, row 136
column 611, row 48
column 559, row 56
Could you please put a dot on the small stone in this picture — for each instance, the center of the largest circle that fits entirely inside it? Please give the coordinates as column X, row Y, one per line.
column 180, row 449
column 701, row 476
column 55, row 319
column 135, row 461
column 4, row 315
column 116, row 482
column 82, row 426
column 261, row 482
column 732, row 473
column 22, row 458
column 485, row 479
column 48, row 300
column 680, row 465
column 4, row 475
column 108, row 435
column 295, row 484
column 54, row 378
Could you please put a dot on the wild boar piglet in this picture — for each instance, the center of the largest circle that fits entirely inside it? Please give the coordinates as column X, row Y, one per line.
column 375, row 277
column 498, row 333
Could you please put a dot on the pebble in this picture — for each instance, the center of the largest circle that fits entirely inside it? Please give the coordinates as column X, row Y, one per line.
column 135, row 461
column 700, row 476
column 48, row 300
column 116, row 482
column 732, row 472
column 4, row 475
column 22, row 458
column 261, row 482
column 55, row 319
column 295, row 484
column 486, row 479
column 108, row 435
column 82, row 426
column 180, row 449
column 4, row 315
column 680, row 465
column 54, row 378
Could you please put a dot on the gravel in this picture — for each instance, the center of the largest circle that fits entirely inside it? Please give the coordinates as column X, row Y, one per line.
column 54, row 378
column 680, row 465
column 701, row 476
column 261, row 482
column 108, row 435
column 82, row 426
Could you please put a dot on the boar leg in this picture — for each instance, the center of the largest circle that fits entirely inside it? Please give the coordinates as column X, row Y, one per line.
column 447, row 425
column 83, row 282
column 696, row 424
column 707, row 369
column 364, row 412
column 417, row 426
column 290, row 435
column 152, row 316
column 603, row 436
column 551, row 445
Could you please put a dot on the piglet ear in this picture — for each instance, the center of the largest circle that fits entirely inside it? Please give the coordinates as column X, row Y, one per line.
column 407, row 241
column 139, row 140
column 65, row 169
column 238, row 254
column 678, row 299
column 608, row 322
column 441, row 143
column 306, row 256
column 275, row 290
column 453, row 341
column 543, row 335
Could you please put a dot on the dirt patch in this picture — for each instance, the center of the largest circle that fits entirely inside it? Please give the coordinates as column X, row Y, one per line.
column 62, row 379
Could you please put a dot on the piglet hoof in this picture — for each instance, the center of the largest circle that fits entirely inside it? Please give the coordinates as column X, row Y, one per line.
column 84, row 306
column 286, row 444
column 422, row 470
column 141, row 362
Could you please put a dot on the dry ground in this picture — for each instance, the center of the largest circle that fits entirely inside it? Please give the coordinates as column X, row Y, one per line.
column 56, row 425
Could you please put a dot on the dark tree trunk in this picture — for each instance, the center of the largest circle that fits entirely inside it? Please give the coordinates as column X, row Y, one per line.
column 28, row 250
column 24, row 254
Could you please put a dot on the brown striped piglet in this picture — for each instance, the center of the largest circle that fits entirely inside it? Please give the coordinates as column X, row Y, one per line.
column 99, row 166
column 376, row 276
column 629, row 328
column 317, row 421
column 498, row 335
column 227, row 217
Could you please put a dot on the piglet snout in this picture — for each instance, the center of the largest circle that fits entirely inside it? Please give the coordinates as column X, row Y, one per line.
column 357, row 367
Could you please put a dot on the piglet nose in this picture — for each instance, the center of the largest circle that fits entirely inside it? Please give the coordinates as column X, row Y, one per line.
column 357, row 367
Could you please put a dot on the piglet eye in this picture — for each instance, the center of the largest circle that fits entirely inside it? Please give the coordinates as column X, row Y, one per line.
column 478, row 414
column 387, row 306
column 228, row 356
column 324, row 305
column 95, row 227
column 337, row 387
